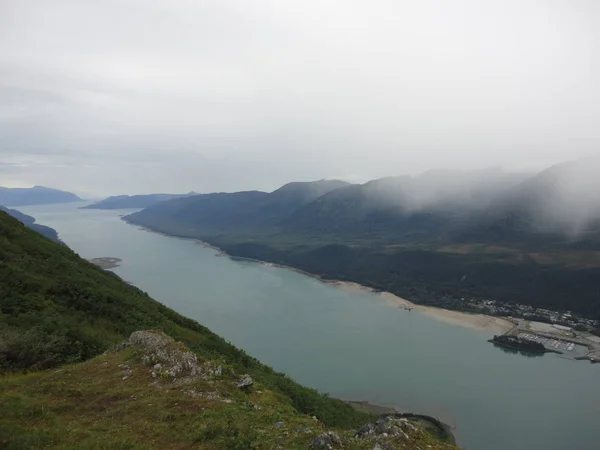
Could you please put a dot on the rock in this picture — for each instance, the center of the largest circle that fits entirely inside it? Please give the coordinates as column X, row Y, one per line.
column 384, row 427
column 279, row 425
column 245, row 382
column 169, row 359
column 383, row 446
column 328, row 441
column 366, row 430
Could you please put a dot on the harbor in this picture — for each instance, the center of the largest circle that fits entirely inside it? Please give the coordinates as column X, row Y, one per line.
column 558, row 339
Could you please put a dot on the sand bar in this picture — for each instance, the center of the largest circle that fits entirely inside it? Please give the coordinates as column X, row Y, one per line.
column 476, row 321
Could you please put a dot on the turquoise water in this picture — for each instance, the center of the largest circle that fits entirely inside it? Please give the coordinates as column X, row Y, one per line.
column 352, row 344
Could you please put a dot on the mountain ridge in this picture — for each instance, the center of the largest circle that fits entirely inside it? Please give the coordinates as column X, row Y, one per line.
column 473, row 226
column 134, row 201
column 37, row 195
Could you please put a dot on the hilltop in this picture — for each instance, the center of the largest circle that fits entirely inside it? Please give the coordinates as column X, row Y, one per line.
column 37, row 195
column 95, row 380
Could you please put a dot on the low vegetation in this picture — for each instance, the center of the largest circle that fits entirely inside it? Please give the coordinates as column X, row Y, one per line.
column 65, row 384
column 57, row 308
column 120, row 400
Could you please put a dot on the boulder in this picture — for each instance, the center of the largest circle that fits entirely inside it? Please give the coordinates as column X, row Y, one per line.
column 328, row 441
column 245, row 382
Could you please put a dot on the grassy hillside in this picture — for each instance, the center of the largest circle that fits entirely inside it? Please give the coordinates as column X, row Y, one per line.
column 64, row 384
column 29, row 221
column 120, row 400
column 57, row 308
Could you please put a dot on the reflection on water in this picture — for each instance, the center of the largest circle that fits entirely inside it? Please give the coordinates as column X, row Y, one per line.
column 513, row 351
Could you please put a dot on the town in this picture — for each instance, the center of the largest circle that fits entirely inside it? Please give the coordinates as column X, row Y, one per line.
column 527, row 312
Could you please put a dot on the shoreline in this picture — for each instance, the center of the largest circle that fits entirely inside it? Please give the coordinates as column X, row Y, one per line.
column 479, row 322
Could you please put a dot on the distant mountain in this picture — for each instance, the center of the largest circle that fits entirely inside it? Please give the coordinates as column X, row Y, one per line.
column 37, row 195
column 240, row 210
column 134, row 201
column 29, row 221
column 440, row 238
column 404, row 207
column 559, row 203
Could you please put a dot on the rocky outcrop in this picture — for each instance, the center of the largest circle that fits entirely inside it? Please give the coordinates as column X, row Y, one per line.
column 387, row 426
column 169, row 360
column 327, row 441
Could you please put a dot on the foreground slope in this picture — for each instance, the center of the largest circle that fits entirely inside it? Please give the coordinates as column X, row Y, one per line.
column 59, row 313
column 29, row 221
column 58, row 308
column 152, row 392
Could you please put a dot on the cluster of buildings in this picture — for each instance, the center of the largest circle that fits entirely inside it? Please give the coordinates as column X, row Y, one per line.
column 566, row 319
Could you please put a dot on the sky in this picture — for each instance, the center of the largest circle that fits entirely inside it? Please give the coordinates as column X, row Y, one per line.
column 105, row 97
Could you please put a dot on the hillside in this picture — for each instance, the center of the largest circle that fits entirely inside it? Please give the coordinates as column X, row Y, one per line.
column 134, row 201
column 403, row 208
column 445, row 238
column 240, row 211
column 37, row 195
column 557, row 206
column 152, row 392
column 29, row 221
column 59, row 310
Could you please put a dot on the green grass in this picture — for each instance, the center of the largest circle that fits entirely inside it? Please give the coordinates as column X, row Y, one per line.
column 56, row 308
column 99, row 405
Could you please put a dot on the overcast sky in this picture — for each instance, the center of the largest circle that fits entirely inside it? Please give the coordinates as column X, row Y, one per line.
column 132, row 96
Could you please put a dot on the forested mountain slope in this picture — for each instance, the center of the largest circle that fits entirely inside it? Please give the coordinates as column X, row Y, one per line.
column 446, row 238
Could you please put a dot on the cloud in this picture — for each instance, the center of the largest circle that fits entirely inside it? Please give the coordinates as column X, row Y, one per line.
column 296, row 89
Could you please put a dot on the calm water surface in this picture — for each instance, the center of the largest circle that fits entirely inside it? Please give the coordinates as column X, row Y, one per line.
column 352, row 344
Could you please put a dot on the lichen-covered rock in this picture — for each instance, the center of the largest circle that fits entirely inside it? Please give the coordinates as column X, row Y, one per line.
column 328, row 441
column 169, row 359
column 388, row 426
column 367, row 429
column 245, row 382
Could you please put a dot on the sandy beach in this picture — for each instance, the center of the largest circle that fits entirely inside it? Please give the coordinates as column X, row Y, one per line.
column 476, row 321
